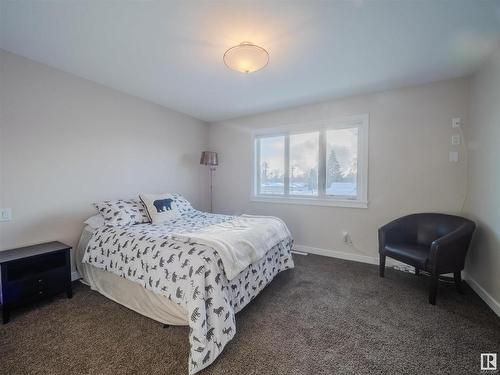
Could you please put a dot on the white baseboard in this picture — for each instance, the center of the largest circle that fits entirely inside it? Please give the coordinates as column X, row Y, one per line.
column 298, row 252
column 75, row 275
column 349, row 256
column 485, row 296
column 481, row 292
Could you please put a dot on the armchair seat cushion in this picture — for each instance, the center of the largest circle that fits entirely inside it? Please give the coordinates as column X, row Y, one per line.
column 416, row 255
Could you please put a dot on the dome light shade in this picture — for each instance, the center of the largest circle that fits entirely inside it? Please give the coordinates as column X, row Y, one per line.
column 246, row 57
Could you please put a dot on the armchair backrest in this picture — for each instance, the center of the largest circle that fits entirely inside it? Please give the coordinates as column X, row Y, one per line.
column 427, row 227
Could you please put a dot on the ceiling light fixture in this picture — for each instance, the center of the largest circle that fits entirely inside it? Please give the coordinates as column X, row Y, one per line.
column 246, row 57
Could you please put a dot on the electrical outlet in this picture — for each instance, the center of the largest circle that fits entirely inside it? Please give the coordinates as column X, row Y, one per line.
column 347, row 238
column 5, row 214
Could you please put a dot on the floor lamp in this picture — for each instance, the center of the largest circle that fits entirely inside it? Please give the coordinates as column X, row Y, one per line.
column 210, row 158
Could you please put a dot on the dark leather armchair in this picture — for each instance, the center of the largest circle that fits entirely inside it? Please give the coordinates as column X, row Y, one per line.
column 436, row 243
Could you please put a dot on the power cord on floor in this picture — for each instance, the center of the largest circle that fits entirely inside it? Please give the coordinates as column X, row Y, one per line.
column 445, row 279
column 409, row 269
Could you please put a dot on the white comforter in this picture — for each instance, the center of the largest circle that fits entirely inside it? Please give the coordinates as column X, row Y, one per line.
column 241, row 241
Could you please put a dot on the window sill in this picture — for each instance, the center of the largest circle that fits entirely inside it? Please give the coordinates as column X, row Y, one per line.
column 312, row 201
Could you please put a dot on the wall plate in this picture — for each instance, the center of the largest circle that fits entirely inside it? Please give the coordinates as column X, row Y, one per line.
column 453, row 156
column 5, row 214
column 455, row 139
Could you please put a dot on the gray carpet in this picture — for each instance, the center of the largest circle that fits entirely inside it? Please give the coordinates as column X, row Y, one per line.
column 326, row 316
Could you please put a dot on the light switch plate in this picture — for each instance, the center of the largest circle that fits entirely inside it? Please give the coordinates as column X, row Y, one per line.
column 453, row 156
column 5, row 214
column 455, row 139
column 456, row 122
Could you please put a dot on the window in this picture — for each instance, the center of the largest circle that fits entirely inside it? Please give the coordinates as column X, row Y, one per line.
column 304, row 152
column 272, row 165
column 342, row 162
column 325, row 164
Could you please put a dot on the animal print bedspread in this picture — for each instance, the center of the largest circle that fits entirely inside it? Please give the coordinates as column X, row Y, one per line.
column 188, row 273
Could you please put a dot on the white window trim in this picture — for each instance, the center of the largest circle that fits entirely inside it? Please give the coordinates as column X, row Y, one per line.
column 359, row 121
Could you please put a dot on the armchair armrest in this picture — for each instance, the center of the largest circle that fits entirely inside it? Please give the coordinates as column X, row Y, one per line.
column 397, row 231
column 448, row 252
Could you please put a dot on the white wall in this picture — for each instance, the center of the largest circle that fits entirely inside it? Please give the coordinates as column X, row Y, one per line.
column 409, row 171
column 67, row 142
column 483, row 203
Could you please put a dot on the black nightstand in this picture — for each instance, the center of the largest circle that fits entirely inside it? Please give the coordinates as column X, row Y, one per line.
column 32, row 273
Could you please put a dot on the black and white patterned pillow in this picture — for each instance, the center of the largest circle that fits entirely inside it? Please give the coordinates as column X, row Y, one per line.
column 182, row 203
column 122, row 212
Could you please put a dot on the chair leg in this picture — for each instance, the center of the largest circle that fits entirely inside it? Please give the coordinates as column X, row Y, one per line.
column 433, row 288
column 458, row 282
column 381, row 266
column 417, row 271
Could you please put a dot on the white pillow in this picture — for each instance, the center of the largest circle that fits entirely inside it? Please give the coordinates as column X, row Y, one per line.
column 160, row 207
column 95, row 222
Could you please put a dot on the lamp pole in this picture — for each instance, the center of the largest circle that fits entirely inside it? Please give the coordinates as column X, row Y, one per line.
column 209, row 158
column 212, row 169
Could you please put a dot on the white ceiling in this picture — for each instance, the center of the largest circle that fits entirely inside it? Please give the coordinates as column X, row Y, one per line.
column 170, row 52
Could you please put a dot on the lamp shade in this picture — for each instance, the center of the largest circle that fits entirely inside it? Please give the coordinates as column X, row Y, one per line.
column 209, row 158
column 246, row 57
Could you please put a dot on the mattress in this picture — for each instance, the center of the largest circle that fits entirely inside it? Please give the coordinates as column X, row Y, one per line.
column 126, row 292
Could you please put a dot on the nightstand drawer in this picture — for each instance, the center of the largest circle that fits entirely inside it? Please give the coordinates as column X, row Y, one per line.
column 37, row 285
column 35, row 266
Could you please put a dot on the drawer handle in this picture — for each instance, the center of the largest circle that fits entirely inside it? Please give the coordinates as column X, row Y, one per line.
column 40, row 292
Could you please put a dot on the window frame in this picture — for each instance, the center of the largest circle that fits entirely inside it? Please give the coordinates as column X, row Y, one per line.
column 361, row 122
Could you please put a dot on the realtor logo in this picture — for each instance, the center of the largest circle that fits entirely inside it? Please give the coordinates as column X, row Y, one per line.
column 488, row 361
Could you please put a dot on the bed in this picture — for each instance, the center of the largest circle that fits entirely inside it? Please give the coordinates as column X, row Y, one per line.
column 168, row 273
